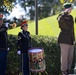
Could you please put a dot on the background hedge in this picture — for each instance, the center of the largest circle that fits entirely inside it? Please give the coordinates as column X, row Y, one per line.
column 51, row 51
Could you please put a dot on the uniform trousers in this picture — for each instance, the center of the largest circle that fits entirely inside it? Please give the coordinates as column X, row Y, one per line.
column 25, row 64
column 3, row 61
column 67, row 52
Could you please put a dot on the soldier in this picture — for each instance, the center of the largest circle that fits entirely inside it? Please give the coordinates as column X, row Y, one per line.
column 23, row 44
column 3, row 46
column 66, row 38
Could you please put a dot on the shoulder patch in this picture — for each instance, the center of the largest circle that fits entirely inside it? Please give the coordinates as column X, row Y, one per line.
column 19, row 37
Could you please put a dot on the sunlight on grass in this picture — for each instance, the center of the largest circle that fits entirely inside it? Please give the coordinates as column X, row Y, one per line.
column 47, row 26
column 14, row 31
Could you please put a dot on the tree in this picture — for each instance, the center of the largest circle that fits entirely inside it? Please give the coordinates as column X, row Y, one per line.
column 5, row 6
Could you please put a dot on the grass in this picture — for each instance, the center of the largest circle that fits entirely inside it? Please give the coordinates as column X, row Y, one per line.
column 47, row 26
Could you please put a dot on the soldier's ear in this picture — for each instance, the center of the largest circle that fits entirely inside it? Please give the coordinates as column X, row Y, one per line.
column 75, row 19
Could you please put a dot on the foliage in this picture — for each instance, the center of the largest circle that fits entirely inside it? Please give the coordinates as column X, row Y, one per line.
column 51, row 52
column 45, row 7
column 1, row 2
column 13, row 64
column 6, row 5
column 64, row 1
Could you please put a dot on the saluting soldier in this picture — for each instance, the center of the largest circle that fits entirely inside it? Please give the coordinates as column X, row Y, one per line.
column 23, row 44
column 3, row 46
column 66, row 38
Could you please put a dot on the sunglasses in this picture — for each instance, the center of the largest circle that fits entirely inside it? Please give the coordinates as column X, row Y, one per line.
column 24, row 25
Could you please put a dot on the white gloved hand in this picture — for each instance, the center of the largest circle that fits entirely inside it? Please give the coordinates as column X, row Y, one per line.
column 6, row 24
column 18, row 52
column 8, row 48
column 66, row 10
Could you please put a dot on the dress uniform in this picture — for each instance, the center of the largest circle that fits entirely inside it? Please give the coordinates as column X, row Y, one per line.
column 3, row 46
column 23, row 44
column 66, row 38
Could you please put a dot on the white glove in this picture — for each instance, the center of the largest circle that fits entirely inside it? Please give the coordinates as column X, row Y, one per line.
column 8, row 48
column 18, row 52
column 6, row 24
column 67, row 10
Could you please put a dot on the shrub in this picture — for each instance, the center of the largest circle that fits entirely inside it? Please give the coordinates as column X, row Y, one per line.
column 51, row 52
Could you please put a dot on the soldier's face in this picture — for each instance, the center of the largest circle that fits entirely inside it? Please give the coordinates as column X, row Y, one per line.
column 25, row 27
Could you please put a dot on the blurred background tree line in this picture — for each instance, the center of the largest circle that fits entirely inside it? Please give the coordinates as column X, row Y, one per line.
column 46, row 8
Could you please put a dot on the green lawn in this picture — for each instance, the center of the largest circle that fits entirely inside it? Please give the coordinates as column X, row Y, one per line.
column 46, row 26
